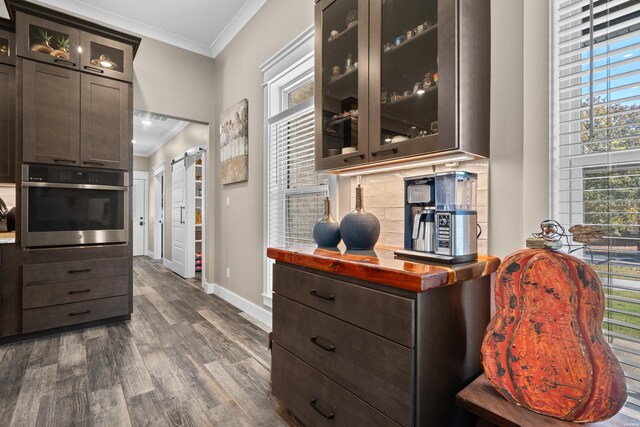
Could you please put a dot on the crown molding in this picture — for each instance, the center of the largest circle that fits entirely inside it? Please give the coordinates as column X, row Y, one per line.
column 250, row 8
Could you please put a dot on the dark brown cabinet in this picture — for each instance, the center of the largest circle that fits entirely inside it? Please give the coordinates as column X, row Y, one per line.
column 66, row 46
column 419, row 87
column 106, row 122
column 70, row 118
column 7, row 123
column 106, row 57
column 50, row 110
column 46, row 41
column 348, row 352
column 7, row 43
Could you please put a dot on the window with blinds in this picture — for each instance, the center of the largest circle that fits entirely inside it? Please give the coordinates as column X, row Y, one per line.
column 596, row 114
column 296, row 192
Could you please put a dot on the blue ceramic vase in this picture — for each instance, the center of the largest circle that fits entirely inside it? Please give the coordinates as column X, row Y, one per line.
column 326, row 232
column 360, row 230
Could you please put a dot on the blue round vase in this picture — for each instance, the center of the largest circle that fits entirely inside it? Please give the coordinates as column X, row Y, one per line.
column 326, row 232
column 360, row 230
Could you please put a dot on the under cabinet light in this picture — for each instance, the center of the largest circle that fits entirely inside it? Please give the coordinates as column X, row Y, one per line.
column 459, row 157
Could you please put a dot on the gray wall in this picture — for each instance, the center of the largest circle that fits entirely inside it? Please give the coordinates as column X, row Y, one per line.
column 178, row 83
column 140, row 163
column 239, row 227
column 181, row 84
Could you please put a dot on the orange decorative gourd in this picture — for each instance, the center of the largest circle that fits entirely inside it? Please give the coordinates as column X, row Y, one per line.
column 544, row 349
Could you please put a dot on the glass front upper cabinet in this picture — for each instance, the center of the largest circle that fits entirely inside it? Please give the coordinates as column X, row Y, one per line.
column 342, row 68
column 405, row 75
column 47, row 41
column 7, row 48
column 106, row 57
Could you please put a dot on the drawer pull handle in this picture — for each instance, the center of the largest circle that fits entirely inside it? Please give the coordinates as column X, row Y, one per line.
column 328, row 298
column 80, row 314
column 80, row 292
column 86, row 270
column 390, row 150
column 95, row 70
column 93, row 163
column 329, row 347
column 64, row 62
column 357, row 156
column 328, row 415
column 64, row 161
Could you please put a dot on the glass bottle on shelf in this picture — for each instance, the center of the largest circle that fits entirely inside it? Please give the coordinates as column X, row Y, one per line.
column 408, row 52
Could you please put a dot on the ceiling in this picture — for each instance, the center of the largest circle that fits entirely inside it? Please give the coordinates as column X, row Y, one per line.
column 201, row 26
column 151, row 131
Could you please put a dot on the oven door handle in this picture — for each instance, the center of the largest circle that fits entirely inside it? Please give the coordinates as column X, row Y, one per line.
column 75, row 186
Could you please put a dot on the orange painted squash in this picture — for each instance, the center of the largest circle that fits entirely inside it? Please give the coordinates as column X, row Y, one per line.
column 544, row 348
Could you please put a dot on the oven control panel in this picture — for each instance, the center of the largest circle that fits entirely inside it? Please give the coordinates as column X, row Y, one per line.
column 73, row 175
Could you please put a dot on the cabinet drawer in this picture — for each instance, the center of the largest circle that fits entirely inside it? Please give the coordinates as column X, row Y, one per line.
column 40, row 319
column 41, row 274
column 315, row 399
column 375, row 369
column 76, row 291
column 383, row 314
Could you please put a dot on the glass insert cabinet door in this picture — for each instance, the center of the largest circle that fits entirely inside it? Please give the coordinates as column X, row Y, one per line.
column 406, row 77
column 106, row 57
column 7, row 48
column 47, row 41
column 342, row 67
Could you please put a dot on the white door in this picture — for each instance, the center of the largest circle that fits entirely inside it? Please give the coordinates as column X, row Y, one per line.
column 138, row 219
column 178, row 218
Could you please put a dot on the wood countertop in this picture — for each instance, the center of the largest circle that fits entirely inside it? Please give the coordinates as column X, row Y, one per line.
column 482, row 399
column 7, row 238
column 381, row 266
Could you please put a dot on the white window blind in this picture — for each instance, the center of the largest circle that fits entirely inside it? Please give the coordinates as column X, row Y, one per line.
column 296, row 191
column 596, row 114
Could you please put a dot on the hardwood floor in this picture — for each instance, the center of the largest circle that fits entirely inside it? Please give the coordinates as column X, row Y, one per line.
column 185, row 358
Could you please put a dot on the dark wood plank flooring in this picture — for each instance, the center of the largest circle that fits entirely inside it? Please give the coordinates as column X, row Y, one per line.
column 184, row 359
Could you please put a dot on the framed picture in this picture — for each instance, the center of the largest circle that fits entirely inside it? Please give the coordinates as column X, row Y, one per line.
column 234, row 143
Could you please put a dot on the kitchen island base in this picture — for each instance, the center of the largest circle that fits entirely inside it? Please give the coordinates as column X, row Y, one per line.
column 352, row 352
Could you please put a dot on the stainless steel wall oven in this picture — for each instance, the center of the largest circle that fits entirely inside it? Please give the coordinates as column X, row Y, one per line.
column 71, row 206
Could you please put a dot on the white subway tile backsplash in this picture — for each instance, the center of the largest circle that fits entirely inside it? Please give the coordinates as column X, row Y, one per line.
column 384, row 197
column 8, row 194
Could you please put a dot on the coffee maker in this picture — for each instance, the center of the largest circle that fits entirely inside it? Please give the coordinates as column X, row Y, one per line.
column 441, row 217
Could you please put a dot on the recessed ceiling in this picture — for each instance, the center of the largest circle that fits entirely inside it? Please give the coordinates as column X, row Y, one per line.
column 151, row 131
column 201, row 26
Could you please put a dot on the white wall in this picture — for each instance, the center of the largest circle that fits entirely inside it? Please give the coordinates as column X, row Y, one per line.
column 519, row 172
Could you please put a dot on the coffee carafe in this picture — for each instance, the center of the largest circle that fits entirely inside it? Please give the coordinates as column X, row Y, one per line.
column 423, row 230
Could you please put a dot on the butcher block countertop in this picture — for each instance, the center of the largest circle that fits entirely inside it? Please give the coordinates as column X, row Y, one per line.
column 7, row 238
column 380, row 266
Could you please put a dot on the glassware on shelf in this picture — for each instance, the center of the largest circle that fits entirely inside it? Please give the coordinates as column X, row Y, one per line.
column 351, row 18
column 348, row 64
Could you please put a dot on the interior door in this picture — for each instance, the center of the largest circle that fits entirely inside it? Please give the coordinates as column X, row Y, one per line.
column 138, row 218
column 178, row 218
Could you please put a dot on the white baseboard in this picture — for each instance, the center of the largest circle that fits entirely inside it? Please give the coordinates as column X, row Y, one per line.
column 248, row 307
column 150, row 255
column 167, row 263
